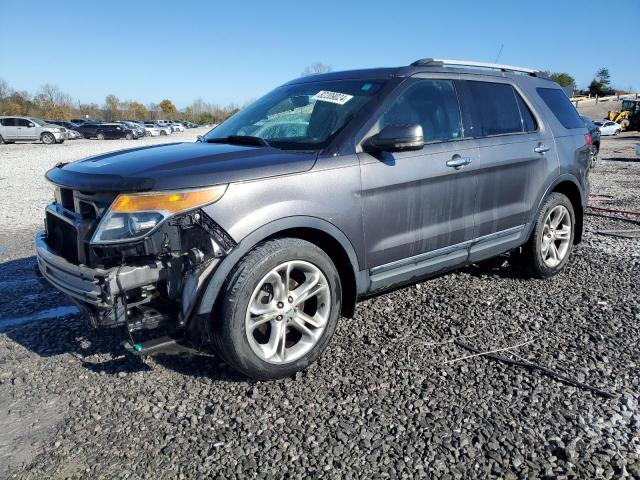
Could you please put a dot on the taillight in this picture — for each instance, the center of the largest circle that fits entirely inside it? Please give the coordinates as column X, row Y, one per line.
column 587, row 138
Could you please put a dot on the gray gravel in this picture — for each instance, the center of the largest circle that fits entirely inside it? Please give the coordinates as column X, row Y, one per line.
column 380, row 403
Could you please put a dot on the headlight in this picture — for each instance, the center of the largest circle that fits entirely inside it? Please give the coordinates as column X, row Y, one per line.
column 56, row 130
column 132, row 216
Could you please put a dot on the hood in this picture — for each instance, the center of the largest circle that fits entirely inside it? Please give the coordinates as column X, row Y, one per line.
column 178, row 165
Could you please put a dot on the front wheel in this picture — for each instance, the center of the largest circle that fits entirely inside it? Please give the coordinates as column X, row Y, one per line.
column 100, row 136
column 549, row 247
column 279, row 309
column 48, row 138
column 128, row 136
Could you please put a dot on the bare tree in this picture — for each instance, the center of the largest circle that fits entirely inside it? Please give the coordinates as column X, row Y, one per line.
column 315, row 68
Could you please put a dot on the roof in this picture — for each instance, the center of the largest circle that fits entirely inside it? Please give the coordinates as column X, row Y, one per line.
column 425, row 65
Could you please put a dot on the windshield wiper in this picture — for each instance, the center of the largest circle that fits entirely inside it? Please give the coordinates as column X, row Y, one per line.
column 241, row 140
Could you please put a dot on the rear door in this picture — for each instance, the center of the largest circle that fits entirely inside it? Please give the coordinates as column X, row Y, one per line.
column 10, row 128
column 516, row 154
column 418, row 210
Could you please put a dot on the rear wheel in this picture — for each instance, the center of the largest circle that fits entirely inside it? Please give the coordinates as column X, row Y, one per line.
column 48, row 138
column 100, row 136
column 128, row 136
column 279, row 309
column 549, row 247
column 616, row 132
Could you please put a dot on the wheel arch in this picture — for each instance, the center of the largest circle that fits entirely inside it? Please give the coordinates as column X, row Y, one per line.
column 315, row 230
column 572, row 191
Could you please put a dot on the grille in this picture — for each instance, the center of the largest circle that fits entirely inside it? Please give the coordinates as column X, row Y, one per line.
column 62, row 238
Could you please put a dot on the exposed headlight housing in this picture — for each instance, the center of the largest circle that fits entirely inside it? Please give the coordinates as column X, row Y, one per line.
column 133, row 216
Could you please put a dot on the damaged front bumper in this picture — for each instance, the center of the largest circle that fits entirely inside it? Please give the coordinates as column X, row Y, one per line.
column 141, row 295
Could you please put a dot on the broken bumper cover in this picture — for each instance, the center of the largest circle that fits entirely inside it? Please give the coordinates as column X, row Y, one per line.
column 93, row 286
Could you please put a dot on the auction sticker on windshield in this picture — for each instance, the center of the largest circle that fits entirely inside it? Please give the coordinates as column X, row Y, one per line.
column 333, row 97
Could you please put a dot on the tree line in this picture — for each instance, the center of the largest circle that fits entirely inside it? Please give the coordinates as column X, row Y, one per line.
column 600, row 85
column 51, row 103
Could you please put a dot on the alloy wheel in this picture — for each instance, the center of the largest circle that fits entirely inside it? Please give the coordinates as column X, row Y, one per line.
column 556, row 235
column 288, row 312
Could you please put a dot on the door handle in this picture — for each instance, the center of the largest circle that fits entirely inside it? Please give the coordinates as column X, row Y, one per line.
column 542, row 149
column 458, row 162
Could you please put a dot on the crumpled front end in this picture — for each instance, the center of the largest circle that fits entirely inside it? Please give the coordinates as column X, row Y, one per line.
column 142, row 284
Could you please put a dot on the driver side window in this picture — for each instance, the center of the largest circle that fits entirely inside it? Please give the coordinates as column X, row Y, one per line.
column 433, row 104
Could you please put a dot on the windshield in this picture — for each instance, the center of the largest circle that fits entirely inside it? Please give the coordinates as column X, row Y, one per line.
column 38, row 121
column 301, row 116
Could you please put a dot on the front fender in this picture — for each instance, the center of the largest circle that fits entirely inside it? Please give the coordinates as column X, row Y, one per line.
column 222, row 270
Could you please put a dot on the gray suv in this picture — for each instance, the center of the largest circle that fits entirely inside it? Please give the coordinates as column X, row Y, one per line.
column 29, row 129
column 256, row 238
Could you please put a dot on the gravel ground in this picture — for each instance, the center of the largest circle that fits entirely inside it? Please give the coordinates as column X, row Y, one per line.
column 380, row 403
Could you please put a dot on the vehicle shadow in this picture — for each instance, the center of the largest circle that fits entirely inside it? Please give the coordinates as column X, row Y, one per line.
column 23, row 299
column 500, row 266
column 622, row 159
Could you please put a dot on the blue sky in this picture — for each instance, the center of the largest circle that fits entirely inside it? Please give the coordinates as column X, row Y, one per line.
column 235, row 51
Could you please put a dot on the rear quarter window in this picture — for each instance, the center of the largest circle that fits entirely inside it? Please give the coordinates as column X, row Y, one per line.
column 561, row 106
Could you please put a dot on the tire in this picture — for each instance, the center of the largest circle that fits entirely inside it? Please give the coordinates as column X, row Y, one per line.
column 47, row 138
column 594, row 155
column 616, row 133
column 100, row 136
column 535, row 259
column 128, row 136
column 1, row 140
column 162, row 132
column 247, row 343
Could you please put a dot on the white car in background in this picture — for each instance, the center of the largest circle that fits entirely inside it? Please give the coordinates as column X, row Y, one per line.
column 163, row 129
column 151, row 131
column 177, row 127
column 607, row 127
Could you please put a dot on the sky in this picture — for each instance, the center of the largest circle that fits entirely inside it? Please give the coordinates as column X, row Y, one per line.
column 227, row 52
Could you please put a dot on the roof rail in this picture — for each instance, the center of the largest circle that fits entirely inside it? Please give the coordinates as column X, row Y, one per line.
column 441, row 62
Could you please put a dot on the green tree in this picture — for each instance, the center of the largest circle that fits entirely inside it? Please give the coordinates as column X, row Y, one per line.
column 563, row 79
column 112, row 107
column 603, row 77
column 138, row 111
column 168, row 108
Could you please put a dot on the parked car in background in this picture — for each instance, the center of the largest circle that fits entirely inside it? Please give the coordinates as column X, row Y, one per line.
column 72, row 132
column 112, row 131
column 88, row 129
column 164, row 129
column 151, row 131
column 81, row 121
column 237, row 241
column 607, row 127
column 594, row 132
column 137, row 129
column 177, row 126
column 29, row 129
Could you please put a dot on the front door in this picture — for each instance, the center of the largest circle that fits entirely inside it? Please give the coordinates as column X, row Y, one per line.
column 418, row 205
column 27, row 130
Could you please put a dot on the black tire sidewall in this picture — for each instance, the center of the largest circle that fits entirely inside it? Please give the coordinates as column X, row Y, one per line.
column 539, row 266
column 49, row 136
column 230, row 326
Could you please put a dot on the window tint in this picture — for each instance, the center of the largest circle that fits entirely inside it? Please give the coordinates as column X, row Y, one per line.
column 561, row 106
column 23, row 122
column 430, row 103
column 529, row 123
column 494, row 109
column 9, row 122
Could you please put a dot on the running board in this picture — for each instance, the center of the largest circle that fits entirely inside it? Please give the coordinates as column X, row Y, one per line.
column 168, row 344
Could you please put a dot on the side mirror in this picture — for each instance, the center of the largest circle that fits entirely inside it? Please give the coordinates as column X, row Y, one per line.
column 32, row 125
column 200, row 139
column 396, row 138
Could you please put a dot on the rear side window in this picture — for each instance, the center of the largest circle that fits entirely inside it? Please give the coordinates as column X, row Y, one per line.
column 495, row 109
column 561, row 106
column 431, row 103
